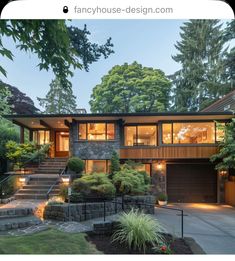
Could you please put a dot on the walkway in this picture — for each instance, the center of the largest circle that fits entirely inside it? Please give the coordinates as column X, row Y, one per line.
column 211, row 225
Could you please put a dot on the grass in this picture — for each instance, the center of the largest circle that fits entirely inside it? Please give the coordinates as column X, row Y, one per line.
column 47, row 242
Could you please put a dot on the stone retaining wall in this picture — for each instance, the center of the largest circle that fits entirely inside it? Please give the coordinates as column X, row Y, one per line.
column 81, row 211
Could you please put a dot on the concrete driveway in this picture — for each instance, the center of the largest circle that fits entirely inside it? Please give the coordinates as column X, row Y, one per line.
column 211, row 225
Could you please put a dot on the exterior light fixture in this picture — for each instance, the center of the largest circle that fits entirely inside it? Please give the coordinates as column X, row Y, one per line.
column 223, row 173
column 159, row 165
column 65, row 179
column 22, row 180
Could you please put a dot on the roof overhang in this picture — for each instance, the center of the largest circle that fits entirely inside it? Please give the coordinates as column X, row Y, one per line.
column 61, row 121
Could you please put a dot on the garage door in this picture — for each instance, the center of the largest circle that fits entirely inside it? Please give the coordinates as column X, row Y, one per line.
column 191, row 183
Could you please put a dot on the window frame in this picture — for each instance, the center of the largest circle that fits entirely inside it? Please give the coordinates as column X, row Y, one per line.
column 44, row 136
column 100, row 122
column 186, row 121
column 136, row 127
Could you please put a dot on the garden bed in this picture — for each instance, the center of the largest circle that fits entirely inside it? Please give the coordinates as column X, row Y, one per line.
column 103, row 243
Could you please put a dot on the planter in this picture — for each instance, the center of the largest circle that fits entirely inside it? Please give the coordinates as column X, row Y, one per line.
column 162, row 203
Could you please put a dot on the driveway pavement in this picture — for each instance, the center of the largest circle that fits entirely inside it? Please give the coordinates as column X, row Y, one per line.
column 211, row 225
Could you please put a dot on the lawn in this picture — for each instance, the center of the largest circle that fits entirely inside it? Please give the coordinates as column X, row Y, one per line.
column 47, row 242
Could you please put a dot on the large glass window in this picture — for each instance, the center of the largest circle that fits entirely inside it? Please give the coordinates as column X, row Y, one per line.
column 142, row 135
column 190, row 133
column 98, row 166
column 41, row 137
column 96, row 131
column 220, row 131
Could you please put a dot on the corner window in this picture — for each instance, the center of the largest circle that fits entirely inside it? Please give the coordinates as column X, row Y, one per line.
column 96, row 131
column 97, row 166
column 41, row 137
column 142, row 135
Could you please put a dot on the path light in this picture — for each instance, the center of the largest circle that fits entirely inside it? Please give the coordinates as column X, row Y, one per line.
column 22, row 180
column 65, row 179
column 223, row 173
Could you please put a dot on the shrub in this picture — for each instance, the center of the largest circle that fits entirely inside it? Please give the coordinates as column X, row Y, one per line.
column 115, row 164
column 162, row 197
column 63, row 191
column 76, row 164
column 130, row 181
column 94, row 185
column 138, row 230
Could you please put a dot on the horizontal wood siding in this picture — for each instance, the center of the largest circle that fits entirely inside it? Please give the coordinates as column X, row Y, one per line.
column 174, row 152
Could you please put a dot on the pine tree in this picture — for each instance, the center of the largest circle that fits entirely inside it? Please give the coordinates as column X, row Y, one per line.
column 201, row 54
column 58, row 100
column 115, row 163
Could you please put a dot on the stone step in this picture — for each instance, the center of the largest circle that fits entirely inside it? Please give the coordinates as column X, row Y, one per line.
column 52, row 163
column 48, row 171
column 39, row 186
column 18, row 222
column 41, row 183
column 12, row 212
column 41, row 178
column 56, row 160
column 37, row 191
column 34, row 196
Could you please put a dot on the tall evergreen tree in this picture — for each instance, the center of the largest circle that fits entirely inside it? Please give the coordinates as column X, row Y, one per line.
column 201, row 53
column 58, row 100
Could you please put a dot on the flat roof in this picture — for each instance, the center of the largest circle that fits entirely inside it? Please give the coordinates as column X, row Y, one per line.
column 58, row 121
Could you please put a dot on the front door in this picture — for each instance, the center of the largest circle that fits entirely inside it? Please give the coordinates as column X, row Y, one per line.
column 62, row 144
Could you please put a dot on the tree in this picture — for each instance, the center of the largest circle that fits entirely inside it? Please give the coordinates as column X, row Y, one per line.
column 5, row 95
column 58, row 100
column 225, row 159
column 57, row 46
column 131, row 88
column 115, row 163
column 201, row 53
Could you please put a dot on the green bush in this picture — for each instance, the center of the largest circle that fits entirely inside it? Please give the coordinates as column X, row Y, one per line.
column 138, row 231
column 76, row 164
column 94, row 185
column 131, row 182
column 9, row 187
column 162, row 197
column 115, row 163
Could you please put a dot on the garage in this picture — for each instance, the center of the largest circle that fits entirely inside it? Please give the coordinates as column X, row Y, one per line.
column 191, row 183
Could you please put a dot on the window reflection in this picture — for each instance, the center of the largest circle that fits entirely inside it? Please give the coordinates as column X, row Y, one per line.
column 98, row 166
column 41, row 137
column 220, row 131
column 167, row 133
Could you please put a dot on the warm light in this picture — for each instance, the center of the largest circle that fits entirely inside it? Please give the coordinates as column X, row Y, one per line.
column 223, row 173
column 22, row 180
column 159, row 166
column 65, row 179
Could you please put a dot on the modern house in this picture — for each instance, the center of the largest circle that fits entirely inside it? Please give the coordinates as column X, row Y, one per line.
column 174, row 148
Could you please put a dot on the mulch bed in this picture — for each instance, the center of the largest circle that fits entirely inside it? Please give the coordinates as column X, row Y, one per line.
column 103, row 243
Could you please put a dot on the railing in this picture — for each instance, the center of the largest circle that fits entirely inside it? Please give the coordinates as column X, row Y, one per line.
column 54, row 184
column 4, row 186
column 119, row 201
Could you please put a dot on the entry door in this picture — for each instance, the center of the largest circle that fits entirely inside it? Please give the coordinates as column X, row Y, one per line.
column 62, row 144
column 192, row 183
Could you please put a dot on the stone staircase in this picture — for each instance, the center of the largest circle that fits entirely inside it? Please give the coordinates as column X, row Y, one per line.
column 14, row 218
column 46, row 175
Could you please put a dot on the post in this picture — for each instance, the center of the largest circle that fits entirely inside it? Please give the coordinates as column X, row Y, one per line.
column 21, row 134
column 182, row 223
column 104, row 210
column 69, row 194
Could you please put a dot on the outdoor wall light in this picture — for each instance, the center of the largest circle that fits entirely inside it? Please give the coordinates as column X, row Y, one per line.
column 223, row 173
column 159, row 166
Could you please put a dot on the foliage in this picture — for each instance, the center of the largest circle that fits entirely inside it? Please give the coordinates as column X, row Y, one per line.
column 58, row 47
column 132, row 182
column 138, row 231
column 63, row 191
column 162, row 197
column 131, row 88
column 22, row 153
column 225, row 157
column 59, row 100
column 5, row 94
column 76, row 164
column 50, row 241
column 96, row 185
column 115, row 163
column 163, row 248
column 201, row 54
column 9, row 187
column 7, row 132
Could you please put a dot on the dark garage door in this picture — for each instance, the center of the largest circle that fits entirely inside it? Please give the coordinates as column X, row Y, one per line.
column 191, row 183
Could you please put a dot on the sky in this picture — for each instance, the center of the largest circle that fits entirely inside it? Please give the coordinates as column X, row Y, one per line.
column 149, row 42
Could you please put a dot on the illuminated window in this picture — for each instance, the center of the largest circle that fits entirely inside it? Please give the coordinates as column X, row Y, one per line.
column 41, row 137
column 98, row 166
column 220, row 131
column 96, row 131
column 167, row 133
column 62, row 141
column 190, row 133
column 82, row 131
column 144, row 167
column 143, row 135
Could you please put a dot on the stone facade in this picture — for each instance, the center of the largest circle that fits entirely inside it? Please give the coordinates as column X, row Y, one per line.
column 81, row 211
column 93, row 149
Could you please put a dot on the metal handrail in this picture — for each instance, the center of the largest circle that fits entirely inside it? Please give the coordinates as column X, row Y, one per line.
column 54, row 184
column 2, row 182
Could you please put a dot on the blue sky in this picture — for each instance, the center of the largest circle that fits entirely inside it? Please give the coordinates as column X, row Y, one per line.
column 149, row 42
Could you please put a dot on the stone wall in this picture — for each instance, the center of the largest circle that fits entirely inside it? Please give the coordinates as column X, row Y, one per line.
column 93, row 149
column 81, row 211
